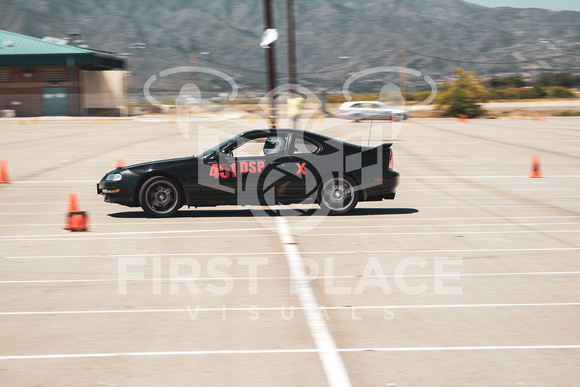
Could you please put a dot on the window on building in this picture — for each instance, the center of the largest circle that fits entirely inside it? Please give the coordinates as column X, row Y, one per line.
column 54, row 76
column 5, row 76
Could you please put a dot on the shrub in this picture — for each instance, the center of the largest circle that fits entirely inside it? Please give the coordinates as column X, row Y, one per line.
column 561, row 92
column 463, row 96
column 568, row 113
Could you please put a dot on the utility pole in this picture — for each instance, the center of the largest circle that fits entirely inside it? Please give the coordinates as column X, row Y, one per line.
column 291, row 42
column 271, row 62
column 402, row 74
column 193, row 63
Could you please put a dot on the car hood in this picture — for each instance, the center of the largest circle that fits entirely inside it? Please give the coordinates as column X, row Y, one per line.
column 155, row 164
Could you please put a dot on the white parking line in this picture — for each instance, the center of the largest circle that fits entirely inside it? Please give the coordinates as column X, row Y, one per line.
column 275, row 309
column 330, row 253
column 531, row 189
column 18, row 238
column 446, row 196
column 233, row 231
column 400, row 195
column 97, row 234
column 310, row 278
column 103, row 256
column 290, row 351
column 94, row 182
column 81, row 238
column 333, row 366
column 92, row 189
column 445, row 225
column 335, row 220
column 518, row 206
column 487, row 206
column 531, row 182
column 442, row 233
column 485, row 177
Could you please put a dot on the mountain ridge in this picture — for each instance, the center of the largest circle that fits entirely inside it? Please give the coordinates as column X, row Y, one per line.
column 435, row 33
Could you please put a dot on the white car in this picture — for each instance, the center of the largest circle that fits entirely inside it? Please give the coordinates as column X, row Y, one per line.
column 370, row 110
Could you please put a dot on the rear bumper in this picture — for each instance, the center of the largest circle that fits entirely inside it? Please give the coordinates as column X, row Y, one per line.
column 385, row 189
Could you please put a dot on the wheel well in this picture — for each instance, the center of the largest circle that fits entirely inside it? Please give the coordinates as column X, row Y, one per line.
column 356, row 180
column 322, row 178
column 158, row 174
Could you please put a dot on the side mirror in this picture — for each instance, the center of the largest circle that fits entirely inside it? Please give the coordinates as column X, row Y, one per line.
column 210, row 158
column 215, row 157
column 222, row 155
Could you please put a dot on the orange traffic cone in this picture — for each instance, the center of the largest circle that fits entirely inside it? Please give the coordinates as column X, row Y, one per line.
column 72, row 203
column 78, row 221
column 120, row 163
column 535, row 166
column 73, row 215
column 3, row 172
column 463, row 118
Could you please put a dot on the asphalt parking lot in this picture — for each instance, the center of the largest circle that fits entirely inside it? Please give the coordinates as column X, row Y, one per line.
column 469, row 277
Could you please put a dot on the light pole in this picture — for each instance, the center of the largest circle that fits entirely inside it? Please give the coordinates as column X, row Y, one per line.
column 389, row 52
column 270, row 60
column 136, row 46
column 291, row 42
column 126, row 99
column 550, row 46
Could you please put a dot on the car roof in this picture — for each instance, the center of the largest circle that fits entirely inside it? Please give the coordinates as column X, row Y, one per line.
column 347, row 104
column 316, row 136
column 276, row 131
column 255, row 133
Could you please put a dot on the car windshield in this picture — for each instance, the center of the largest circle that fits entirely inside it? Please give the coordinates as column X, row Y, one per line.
column 218, row 147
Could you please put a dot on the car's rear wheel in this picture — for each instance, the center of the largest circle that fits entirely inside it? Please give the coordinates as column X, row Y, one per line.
column 160, row 197
column 338, row 195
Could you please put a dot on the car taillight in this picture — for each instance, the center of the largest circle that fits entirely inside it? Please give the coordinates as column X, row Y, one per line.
column 390, row 162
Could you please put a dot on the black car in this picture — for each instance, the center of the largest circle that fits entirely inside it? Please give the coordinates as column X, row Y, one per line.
column 259, row 167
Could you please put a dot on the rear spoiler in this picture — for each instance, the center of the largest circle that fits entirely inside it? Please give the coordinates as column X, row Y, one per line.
column 381, row 154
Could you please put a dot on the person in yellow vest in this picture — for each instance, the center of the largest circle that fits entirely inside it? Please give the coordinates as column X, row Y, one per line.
column 294, row 109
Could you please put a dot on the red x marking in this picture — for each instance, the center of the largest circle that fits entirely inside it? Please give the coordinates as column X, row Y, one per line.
column 301, row 169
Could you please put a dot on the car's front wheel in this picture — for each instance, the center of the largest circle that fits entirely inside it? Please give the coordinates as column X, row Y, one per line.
column 160, row 197
column 356, row 117
column 338, row 195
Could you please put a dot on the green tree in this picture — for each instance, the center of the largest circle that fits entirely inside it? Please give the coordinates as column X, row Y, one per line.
column 463, row 96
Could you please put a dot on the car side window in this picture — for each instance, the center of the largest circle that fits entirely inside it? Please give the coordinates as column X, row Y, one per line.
column 303, row 145
column 251, row 148
column 255, row 147
column 356, row 105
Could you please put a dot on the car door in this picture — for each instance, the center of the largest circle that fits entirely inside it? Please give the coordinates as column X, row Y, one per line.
column 357, row 111
column 304, row 167
column 258, row 175
column 215, row 179
column 382, row 112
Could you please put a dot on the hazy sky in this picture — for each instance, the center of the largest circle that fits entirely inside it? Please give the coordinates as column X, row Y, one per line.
column 555, row 5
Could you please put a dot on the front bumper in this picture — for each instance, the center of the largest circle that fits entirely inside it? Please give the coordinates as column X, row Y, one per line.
column 119, row 192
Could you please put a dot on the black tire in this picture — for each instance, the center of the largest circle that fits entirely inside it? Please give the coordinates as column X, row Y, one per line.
column 356, row 117
column 337, row 195
column 160, row 197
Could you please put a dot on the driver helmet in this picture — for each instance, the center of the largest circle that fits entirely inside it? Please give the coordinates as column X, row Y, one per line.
column 274, row 145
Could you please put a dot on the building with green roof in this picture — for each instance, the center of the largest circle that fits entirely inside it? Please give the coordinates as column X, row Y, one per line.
column 40, row 77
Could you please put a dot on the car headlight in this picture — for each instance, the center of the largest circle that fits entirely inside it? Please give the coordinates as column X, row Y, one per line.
column 114, row 177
